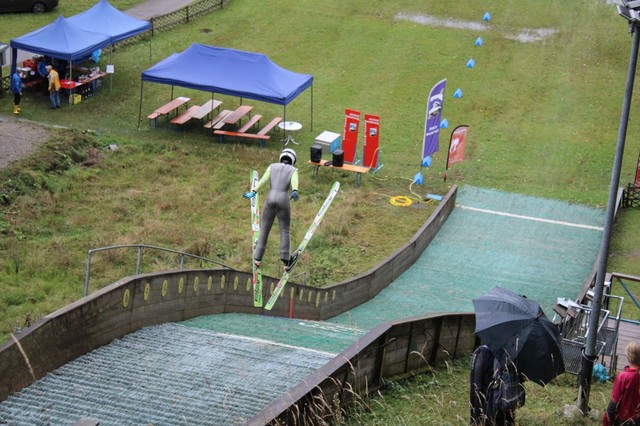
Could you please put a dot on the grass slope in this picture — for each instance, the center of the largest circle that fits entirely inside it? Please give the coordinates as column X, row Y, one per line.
column 543, row 119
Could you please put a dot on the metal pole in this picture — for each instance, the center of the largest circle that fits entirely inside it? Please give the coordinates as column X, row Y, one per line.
column 589, row 350
column 86, row 274
column 139, row 261
column 140, row 104
column 110, row 63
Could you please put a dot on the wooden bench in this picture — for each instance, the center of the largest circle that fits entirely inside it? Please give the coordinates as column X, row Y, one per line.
column 153, row 116
column 182, row 119
column 266, row 129
column 253, row 120
column 217, row 118
column 261, row 135
column 349, row 167
column 240, row 135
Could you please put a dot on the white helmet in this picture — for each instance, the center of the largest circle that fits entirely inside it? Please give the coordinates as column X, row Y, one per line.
column 289, row 153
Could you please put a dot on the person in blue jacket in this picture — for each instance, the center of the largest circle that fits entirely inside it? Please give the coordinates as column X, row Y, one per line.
column 281, row 176
column 16, row 88
column 44, row 74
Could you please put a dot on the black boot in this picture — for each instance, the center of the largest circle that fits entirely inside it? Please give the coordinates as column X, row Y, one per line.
column 292, row 261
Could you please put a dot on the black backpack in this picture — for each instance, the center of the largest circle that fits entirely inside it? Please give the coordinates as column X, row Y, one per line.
column 506, row 391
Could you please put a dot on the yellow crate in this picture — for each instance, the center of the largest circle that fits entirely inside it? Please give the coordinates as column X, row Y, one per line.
column 75, row 99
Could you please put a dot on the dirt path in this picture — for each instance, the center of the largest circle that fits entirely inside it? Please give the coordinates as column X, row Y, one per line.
column 19, row 138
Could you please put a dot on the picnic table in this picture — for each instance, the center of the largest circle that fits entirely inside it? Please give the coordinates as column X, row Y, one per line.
column 181, row 120
column 167, row 108
column 196, row 112
column 206, row 109
column 262, row 134
column 237, row 115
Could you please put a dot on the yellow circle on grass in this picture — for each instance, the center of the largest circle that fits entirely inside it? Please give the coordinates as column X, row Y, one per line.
column 401, row 201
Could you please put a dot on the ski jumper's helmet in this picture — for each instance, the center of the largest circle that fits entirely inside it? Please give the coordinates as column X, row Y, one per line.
column 290, row 154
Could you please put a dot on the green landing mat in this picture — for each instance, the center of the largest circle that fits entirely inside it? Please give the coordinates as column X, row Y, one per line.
column 321, row 336
column 538, row 247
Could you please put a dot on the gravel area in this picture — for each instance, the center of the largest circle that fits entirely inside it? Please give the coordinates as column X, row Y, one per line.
column 19, row 138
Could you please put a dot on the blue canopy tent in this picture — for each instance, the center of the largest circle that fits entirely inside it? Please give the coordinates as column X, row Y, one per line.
column 229, row 72
column 77, row 37
column 60, row 40
column 105, row 19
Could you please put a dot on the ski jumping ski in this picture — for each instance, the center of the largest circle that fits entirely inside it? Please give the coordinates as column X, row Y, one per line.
column 314, row 225
column 255, row 234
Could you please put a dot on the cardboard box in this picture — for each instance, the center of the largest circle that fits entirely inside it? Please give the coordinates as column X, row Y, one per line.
column 329, row 141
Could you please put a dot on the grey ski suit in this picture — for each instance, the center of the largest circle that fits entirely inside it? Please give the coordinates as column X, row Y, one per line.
column 281, row 177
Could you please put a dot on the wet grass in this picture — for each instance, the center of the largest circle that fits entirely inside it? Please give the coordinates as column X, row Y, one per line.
column 543, row 121
column 442, row 398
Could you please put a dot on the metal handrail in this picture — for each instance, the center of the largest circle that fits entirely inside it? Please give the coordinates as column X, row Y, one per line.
column 624, row 286
column 139, row 260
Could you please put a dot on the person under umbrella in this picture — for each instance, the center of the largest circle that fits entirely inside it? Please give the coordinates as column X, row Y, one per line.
column 496, row 390
column 515, row 327
column 524, row 345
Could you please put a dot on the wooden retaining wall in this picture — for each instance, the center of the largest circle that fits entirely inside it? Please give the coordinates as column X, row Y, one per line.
column 144, row 300
column 390, row 351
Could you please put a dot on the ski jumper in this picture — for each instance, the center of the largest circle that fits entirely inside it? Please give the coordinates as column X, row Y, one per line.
column 281, row 177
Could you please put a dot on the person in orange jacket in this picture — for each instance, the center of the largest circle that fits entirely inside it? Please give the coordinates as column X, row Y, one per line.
column 54, row 87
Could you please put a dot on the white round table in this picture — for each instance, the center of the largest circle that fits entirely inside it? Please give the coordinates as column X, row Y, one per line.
column 290, row 127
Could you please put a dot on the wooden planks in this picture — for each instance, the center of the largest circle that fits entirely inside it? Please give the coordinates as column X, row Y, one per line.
column 241, row 135
column 217, row 119
column 173, row 105
column 253, row 120
column 349, row 167
column 627, row 333
column 358, row 170
column 273, row 123
column 206, row 109
column 167, row 108
column 237, row 115
column 184, row 118
column 242, row 132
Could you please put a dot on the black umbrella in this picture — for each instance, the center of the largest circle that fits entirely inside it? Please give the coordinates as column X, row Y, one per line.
column 515, row 328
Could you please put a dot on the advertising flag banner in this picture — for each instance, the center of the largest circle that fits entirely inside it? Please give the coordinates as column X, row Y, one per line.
column 456, row 145
column 637, row 183
column 371, row 140
column 350, row 137
column 432, row 121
